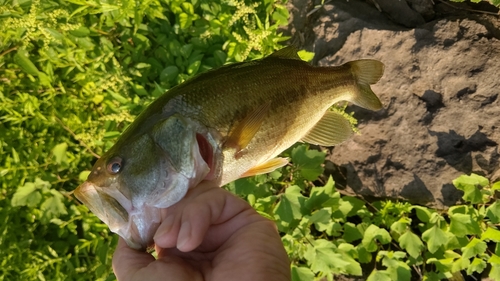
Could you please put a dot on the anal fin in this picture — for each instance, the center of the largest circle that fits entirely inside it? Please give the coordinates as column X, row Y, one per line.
column 331, row 130
column 266, row 167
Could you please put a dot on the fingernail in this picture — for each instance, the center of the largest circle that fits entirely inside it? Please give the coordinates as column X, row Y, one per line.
column 184, row 235
column 164, row 228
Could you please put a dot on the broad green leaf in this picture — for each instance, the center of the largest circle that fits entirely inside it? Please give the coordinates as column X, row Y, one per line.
column 475, row 247
column 477, row 265
column 495, row 186
column 491, row 234
column 325, row 258
column 469, row 185
column 463, row 224
column 473, row 179
column 399, row 227
column 435, row 238
column 460, row 264
column 493, row 212
column 59, row 151
column 423, row 213
column 321, row 216
column 308, row 162
column 305, row 55
column 349, row 206
column 379, row 275
column 319, row 195
column 351, row 233
column 411, row 243
column 300, row 273
column 373, row 234
column 289, row 207
column 27, row 195
column 83, row 175
column 21, row 59
column 185, row 20
column 495, row 272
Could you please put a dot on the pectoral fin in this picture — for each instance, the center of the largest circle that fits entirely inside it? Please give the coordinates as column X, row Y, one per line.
column 331, row 130
column 266, row 167
column 244, row 132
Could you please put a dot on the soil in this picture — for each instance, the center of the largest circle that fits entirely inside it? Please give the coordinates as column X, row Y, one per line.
column 440, row 90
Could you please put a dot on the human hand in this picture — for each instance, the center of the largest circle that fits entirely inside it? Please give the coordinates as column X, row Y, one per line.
column 210, row 234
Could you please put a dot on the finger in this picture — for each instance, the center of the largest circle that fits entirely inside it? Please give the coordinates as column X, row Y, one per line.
column 127, row 261
column 189, row 220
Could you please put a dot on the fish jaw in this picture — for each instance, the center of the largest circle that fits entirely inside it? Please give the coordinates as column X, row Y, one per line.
column 122, row 218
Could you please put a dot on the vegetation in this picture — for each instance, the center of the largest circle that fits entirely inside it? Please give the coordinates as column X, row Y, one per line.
column 73, row 74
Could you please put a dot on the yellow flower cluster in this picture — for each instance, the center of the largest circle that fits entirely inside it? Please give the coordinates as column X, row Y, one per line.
column 36, row 24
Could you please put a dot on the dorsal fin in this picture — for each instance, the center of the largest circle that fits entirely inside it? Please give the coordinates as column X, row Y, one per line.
column 331, row 130
column 289, row 52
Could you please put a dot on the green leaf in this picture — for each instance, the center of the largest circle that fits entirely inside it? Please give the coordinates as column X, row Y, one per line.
column 495, row 272
column 493, row 212
column 351, row 233
column 305, row 55
column 349, row 206
column 496, row 186
column 319, row 195
column 423, row 213
column 324, row 257
column 289, row 207
column 435, row 238
column 308, row 162
column 27, row 195
column 169, row 74
column 185, row 20
column 477, row 265
column 473, row 179
column 491, row 234
column 469, row 185
column 300, row 273
column 463, row 224
column 373, row 234
column 475, row 247
column 21, row 59
column 411, row 243
column 53, row 206
column 59, row 151
column 193, row 68
column 379, row 275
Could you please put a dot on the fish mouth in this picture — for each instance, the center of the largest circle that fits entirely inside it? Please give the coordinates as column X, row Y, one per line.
column 116, row 211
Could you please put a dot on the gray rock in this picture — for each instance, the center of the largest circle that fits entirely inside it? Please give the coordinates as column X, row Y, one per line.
column 440, row 92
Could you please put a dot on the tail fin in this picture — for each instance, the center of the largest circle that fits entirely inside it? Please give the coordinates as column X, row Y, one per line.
column 366, row 72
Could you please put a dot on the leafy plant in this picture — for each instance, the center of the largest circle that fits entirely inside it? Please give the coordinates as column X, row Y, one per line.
column 327, row 234
column 73, row 74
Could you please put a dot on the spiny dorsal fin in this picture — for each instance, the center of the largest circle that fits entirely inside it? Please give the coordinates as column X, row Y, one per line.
column 366, row 72
column 266, row 167
column 331, row 130
column 289, row 52
column 244, row 132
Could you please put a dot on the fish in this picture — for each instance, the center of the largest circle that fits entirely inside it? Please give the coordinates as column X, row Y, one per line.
column 221, row 125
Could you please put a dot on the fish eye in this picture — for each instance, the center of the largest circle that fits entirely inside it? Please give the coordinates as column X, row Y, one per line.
column 115, row 165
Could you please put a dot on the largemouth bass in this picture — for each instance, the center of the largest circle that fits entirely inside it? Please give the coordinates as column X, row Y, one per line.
column 221, row 125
